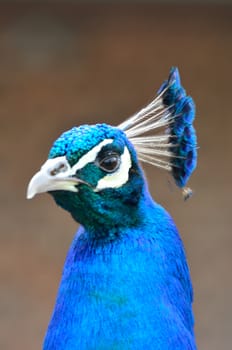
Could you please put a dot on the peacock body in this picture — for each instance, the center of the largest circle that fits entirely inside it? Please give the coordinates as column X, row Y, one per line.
column 125, row 282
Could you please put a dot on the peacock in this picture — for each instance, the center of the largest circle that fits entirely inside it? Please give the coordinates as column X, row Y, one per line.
column 125, row 282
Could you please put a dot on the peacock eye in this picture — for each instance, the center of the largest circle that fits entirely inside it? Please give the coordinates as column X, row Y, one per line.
column 109, row 163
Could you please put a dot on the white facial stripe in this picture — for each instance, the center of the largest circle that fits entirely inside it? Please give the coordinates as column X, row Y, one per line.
column 59, row 167
column 90, row 156
column 120, row 177
column 56, row 173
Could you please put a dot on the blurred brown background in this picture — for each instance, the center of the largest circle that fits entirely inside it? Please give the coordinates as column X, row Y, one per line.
column 63, row 64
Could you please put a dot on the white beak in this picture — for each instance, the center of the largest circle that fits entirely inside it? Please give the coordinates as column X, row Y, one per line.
column 55, row 174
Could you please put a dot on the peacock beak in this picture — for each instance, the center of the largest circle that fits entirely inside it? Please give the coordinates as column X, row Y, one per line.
column 55, row 174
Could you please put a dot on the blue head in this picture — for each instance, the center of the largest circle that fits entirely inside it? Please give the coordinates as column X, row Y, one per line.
column 92, row 171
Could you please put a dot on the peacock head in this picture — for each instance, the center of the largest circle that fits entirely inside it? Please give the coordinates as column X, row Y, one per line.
column 93, row 171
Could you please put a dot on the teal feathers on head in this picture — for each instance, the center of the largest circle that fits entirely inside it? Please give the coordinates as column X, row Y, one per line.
column 77, row 141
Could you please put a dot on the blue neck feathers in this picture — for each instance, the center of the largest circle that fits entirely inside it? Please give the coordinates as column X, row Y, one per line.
column 101, row 302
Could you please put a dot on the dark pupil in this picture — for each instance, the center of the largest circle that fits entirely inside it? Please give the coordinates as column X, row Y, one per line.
column 110, row 163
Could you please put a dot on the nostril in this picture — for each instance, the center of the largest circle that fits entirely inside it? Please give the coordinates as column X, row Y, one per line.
column 53, row 172
column 60, row 168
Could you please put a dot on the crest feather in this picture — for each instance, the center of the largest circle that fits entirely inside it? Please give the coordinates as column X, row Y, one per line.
column 170, row 115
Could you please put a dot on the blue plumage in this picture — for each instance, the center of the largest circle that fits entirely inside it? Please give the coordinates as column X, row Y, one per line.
column 132, row 293
column 125, row 283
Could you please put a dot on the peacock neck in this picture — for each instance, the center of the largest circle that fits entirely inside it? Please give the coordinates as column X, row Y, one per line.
column 125, row 215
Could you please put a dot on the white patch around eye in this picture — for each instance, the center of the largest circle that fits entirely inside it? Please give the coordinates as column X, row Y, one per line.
column 119, row 177
column 90, row 156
